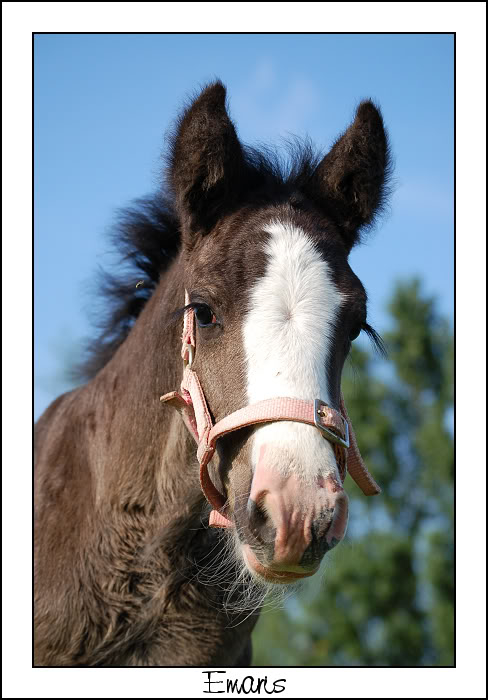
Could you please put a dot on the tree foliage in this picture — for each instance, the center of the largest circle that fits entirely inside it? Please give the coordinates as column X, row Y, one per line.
column 387, row 594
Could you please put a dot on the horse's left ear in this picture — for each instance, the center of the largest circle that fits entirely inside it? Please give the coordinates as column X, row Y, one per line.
column 349, row 183
column 206, row 168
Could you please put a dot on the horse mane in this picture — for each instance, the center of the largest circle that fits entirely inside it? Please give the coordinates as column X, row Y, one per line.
column 147, row 238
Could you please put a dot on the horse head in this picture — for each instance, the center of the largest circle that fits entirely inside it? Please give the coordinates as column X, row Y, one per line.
column 271, row 308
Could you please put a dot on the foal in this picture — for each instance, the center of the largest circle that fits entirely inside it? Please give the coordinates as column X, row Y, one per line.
column 251, row 263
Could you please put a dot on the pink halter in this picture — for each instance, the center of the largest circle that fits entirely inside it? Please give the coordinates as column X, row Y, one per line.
column 191, row 403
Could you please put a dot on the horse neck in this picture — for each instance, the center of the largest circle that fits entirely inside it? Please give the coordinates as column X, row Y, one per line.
column 147, row 454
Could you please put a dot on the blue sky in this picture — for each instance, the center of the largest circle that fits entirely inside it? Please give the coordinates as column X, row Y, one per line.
column 104, row 102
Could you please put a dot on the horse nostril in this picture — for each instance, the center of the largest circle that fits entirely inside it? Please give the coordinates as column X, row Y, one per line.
column 319, row 545
column 327, row 531
column 322, row 524
column 260, row 523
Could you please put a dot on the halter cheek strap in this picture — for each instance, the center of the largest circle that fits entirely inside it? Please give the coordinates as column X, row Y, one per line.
column 190, row 401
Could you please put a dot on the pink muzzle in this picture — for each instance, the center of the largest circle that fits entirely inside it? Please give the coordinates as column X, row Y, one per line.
column 190, row 401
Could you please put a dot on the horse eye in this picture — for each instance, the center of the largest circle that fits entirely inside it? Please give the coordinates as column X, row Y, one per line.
column 205, row 316
column 354, row 333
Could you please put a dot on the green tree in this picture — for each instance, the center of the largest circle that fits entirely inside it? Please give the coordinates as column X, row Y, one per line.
column 387, row 595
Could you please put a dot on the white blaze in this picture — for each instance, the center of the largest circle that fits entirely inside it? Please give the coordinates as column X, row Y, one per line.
column 287, row 339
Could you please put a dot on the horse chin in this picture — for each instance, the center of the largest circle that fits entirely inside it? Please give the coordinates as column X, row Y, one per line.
column 279, row 576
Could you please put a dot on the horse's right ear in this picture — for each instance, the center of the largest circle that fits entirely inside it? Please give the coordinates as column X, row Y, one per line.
column 206, row 165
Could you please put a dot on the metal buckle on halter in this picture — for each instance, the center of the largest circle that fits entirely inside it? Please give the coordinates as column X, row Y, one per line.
column 188, row 355
column 328, row 434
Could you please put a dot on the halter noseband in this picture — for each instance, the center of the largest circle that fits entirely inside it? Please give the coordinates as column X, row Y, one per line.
column 190, row 401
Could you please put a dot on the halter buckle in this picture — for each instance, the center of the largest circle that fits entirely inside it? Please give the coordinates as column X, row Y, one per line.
column 328, row 434
column 188, row 355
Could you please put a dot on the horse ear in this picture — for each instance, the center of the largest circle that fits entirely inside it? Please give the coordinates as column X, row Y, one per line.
column 350, row 180
column 206, row 164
